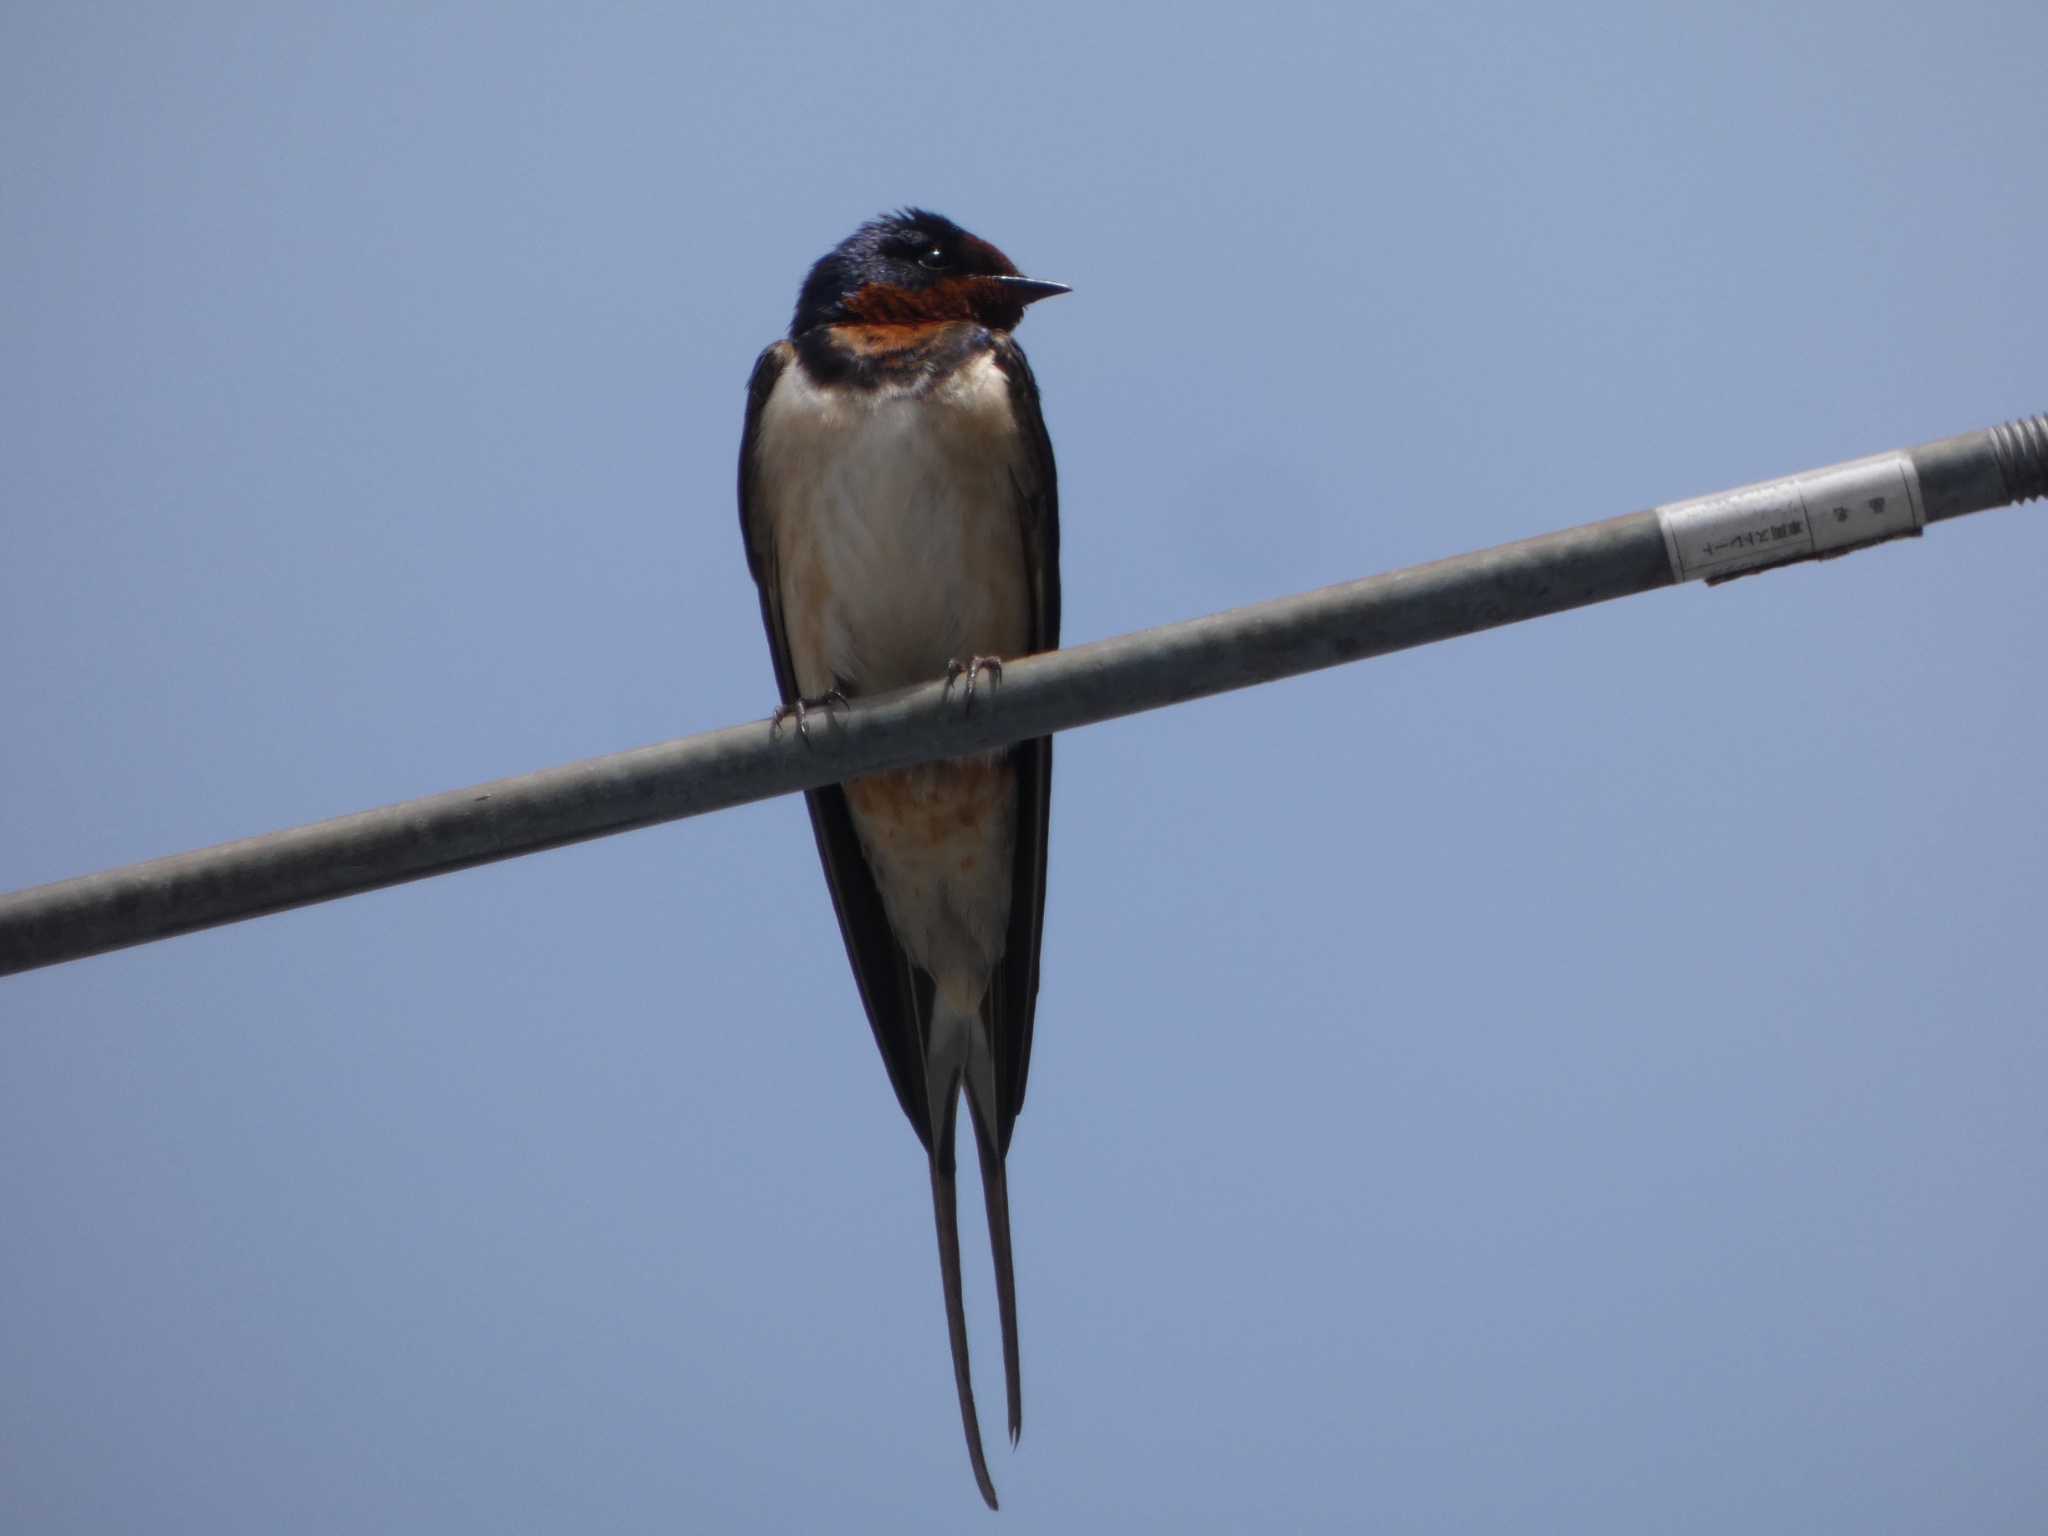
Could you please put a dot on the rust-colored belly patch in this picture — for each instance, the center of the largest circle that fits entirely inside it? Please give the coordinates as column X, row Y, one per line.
column 935, row 804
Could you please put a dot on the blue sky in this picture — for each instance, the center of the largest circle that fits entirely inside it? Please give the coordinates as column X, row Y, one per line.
column 1583, row 1077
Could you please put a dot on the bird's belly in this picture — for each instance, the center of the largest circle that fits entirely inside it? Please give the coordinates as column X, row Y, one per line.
column 900, row 546
column 899, row 549
column 940, row 839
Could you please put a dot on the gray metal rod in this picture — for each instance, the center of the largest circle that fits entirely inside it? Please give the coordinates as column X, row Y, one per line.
column 1037, row 695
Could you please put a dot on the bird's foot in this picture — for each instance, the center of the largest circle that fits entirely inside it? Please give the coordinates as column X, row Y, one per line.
column 800, row 711
column 973, row 667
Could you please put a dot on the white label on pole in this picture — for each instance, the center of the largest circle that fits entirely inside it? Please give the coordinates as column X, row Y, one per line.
column 1801, row 517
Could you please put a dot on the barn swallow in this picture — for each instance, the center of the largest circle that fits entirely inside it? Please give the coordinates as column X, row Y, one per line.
column 901, row 520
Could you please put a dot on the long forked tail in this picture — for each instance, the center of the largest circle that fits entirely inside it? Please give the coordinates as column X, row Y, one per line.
column 945, row 1208
column 995, row 1187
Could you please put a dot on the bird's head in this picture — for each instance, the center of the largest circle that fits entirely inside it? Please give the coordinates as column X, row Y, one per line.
column 915, row 268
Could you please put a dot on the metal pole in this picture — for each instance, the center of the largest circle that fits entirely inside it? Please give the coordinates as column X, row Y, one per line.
column 1810, row 516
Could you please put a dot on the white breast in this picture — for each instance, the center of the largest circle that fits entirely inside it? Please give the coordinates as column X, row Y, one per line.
column 898, row 541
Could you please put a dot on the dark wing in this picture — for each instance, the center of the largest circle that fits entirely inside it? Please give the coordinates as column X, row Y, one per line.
column 1012, row 1000
column 1013, row 993
column 898, row 998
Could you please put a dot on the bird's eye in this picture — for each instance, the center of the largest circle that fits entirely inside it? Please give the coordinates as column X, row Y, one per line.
column 934, row 259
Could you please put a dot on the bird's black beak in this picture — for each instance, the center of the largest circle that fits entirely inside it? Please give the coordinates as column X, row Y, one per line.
column 1029, row 290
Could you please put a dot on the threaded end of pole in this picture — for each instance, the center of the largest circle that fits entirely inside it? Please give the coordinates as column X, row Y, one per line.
column 2022, row 449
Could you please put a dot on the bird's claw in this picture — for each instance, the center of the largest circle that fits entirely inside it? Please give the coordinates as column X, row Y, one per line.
column 800, row 711
column 974, row 666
